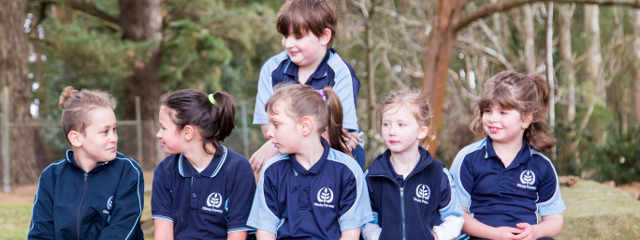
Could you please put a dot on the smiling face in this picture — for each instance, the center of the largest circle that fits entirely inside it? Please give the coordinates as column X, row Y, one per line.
column 504, row 125
column 284, row 132
column 400, row 129
column 169, row 134
column 100, row 139
column 307, row 50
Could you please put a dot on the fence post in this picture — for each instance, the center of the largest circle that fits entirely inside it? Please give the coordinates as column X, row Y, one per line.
column 6, row 166
column 139, row 132
column 245, row 129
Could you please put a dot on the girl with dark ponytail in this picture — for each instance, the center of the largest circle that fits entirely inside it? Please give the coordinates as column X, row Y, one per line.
column 199, row 191
column 310, row 190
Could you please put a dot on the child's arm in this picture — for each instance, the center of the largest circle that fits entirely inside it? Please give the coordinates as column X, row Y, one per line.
column 550, row 226
column 260, row 157
column 239, row 203
column 128, row 203
column 475, row 228
column 163, row 229
column 265, row 235
column 351, row 234
column 42, row 213
column 450, row 210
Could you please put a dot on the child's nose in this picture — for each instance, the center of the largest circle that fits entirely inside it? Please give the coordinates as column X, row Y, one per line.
column 287, row 42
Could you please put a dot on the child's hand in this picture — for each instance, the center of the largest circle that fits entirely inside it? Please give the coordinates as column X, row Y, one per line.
column 529, row 232
column 351, row 141
column 260, row 157
column 506, row 233
column 435, row 236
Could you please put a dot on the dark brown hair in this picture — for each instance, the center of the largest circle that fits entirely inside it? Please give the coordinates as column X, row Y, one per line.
column 214, row 122
column 416, row 102
column 304, row 16
column 302, row 100
column 77, row 104
column 527, row 94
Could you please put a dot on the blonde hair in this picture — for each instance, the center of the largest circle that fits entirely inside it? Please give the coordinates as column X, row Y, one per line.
column 302, row 100
column 527, row 94
column 416, row 102
column 77, row 104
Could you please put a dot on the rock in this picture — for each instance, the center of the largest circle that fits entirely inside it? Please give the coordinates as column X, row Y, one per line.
column 597, row 211
column 568, row 180
column 610, row 183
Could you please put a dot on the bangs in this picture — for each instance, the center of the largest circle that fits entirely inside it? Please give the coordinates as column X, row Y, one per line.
column 502, row 96
column 292, row 22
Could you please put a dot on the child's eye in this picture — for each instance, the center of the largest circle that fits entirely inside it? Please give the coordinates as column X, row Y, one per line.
column 401, row 125
column 115, row 129
column 385, row 124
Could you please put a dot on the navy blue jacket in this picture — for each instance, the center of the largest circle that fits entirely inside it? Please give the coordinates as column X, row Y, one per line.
column 410, row 207
column 105, row 203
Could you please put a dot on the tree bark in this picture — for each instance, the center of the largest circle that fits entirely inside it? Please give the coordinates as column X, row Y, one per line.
column 550, row 74
column 141, row 20
column 566, row 54
column 371, row 79
column 13, row 74
column 529, row 46
column 636, row 69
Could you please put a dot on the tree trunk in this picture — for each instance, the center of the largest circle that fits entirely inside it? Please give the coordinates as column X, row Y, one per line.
column 370, row 82
column 436, row 62
column 550, row 74
column 636, row 69
column 141, row 21
column 529, row 43
column 566, row 54
column 13, row 74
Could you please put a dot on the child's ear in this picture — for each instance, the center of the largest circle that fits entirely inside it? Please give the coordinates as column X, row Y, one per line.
column 75, row 138
column 306, row 125
column 325, row 37
column 526, row 120
column 423, row 132
column 187, row 132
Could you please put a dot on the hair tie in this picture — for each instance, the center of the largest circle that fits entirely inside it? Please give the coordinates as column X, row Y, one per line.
column 321, row 93
column 211, row 99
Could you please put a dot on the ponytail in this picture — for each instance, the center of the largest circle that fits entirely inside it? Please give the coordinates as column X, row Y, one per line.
column 213, row 117
column 334, row 123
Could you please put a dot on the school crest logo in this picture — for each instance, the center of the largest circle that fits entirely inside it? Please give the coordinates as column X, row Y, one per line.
column 324, row 197
column 423, row 193
column 109, row 205
column 214, row 201
column 527, row 179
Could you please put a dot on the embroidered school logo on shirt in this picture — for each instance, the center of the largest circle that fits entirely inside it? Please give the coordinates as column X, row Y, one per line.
column 214, row 201
column 325, row 196
column 109, row 205
column 423, row 193
column 527, row 179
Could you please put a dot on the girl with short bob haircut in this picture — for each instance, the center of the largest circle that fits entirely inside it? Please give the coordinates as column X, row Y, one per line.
column 94, row 192
column 411, row 193
column 504, row 181
column 200, row 190
column 309, row 190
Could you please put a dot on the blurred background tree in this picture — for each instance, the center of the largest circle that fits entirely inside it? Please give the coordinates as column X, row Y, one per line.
column 448, row 48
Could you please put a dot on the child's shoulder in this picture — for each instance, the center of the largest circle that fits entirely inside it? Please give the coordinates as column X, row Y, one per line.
column 475, row 147
column 127, row 161
column 343, row 159
column 337, row 63
column 274, row 61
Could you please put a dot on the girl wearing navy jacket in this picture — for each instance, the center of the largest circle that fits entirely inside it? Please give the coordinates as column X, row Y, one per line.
column 202, row 190
column 411, row 193
column 94, row 192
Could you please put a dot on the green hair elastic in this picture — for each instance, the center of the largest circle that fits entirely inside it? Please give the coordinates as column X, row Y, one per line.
column 211, row 99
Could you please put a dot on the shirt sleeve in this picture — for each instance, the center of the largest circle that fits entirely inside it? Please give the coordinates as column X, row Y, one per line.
column 462, row 179
column 550, row 200
column 265, row 214
column 449, row 204
column 374, row 207
column 124, row 222
column 42, row 213
column 354, row 205
column 265, row 91
column 344, row 87
column 161, row 196
column 238, row 203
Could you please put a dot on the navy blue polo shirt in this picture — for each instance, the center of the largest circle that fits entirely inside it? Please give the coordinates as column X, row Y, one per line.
column 499, row 196
column 205, row 205
column 318, row 203
column 332, row 71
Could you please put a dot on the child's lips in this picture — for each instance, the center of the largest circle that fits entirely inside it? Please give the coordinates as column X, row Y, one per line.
column 394, row 142
column 494, row 129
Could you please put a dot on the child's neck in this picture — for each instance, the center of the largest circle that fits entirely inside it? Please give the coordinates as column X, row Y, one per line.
column 405, row 162
column 507, row 151
column 304, row 72
column 83, row 161
column 313, row 151
column 198, row 157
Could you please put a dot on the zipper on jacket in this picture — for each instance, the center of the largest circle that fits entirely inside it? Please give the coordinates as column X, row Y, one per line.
column 84, row 191
column 404, row 230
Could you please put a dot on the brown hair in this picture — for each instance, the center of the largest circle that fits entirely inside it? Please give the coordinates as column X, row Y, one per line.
column 302, row 100
column 76, row 104
column 214, row 122
column 527, row 94
column 304, row 16
column 416, row 102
